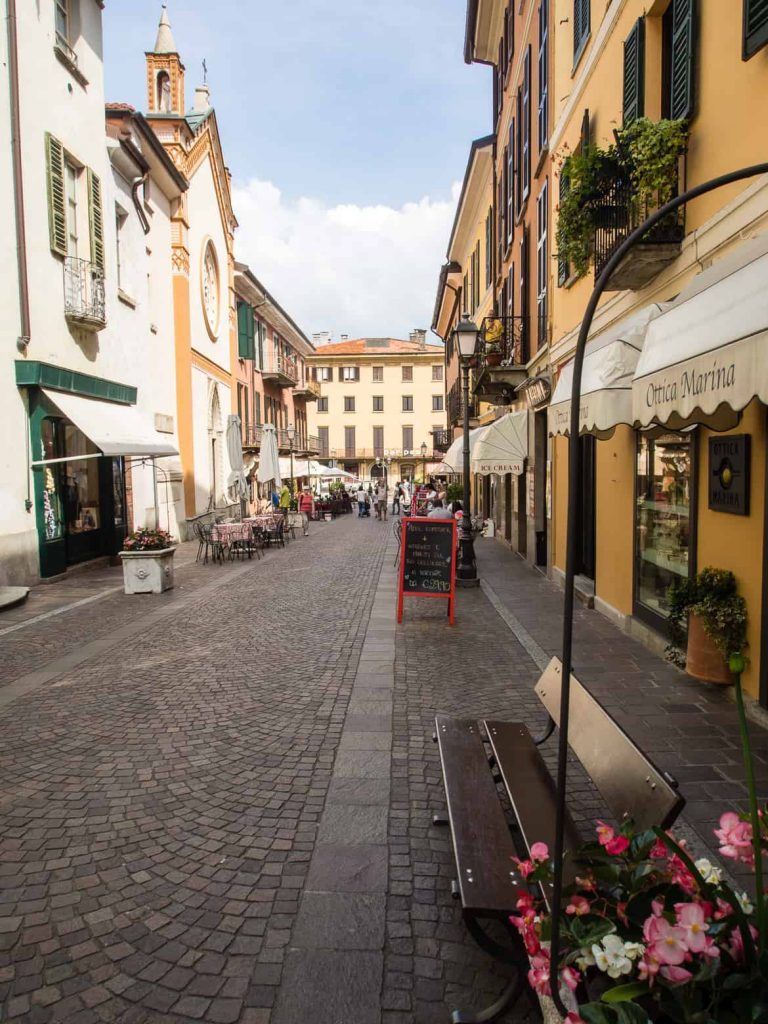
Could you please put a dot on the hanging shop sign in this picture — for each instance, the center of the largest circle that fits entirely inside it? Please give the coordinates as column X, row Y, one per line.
column 427, row 561
column 537, row 391
column 729, row 473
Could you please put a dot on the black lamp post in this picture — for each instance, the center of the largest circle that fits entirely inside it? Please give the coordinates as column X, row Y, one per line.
column 465, row 336
column 291, row 432
column 423, row 461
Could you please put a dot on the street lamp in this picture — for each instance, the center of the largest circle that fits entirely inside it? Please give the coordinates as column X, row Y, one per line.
column 424, row 461
column 465, row 336
column 291, row 432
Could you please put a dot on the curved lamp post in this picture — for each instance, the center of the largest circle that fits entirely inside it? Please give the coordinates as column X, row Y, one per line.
column 291, row 432
column 465, row 337
column 574, row 500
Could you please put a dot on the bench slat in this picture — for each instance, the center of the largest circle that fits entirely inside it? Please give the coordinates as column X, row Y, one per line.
column 482, row 844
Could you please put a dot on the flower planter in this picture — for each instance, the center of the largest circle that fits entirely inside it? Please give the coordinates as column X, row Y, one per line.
column 703, row 660
column 493, row 358
column 148, row 572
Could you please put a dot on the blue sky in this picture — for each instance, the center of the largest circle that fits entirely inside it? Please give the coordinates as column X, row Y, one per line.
column 345, row 125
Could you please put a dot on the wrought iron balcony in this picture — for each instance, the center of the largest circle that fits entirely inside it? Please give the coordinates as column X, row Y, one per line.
column 281, row 370
column 455, row 406
column 252, row 434
column 308, row 390
column 84, row 304
column 504, row 348
column 381, row 455
column 441, row 440
column 615, row 215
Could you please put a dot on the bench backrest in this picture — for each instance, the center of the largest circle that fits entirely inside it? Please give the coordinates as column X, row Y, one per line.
column 628, row 781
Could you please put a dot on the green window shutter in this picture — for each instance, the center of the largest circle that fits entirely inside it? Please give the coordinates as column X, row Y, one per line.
column 96, row 219
column 755, row 27
column 563, row 269
column 681, row 77
column 581, row 26
column 245, row 331
column 57, row 209
column 634, row 72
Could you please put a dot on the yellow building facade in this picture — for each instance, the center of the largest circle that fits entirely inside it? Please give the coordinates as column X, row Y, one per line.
column 652, row 511
column 381, row 402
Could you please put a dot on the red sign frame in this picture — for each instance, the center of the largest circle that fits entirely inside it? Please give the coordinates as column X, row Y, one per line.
column 402, row 593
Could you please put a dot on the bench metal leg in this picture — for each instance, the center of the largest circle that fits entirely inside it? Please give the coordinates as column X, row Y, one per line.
column 440, row 820
column 508, row 998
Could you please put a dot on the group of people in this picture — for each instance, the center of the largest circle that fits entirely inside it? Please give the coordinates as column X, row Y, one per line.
column 434, row 503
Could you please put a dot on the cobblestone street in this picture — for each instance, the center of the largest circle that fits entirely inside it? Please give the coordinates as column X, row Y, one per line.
column 216, row 805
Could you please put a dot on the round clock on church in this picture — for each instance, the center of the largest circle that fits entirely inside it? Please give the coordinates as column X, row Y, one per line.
column 210, row 288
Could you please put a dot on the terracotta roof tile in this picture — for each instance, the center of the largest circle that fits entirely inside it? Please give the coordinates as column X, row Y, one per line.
column 121, row 106
column 377, row 346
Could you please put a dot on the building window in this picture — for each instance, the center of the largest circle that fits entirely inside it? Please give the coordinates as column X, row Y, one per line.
column 378, row 374
column 510, row 154
column 349, row 442
column 525, row 170
column 581, row 26
column 378, row 441
column 71, row 174
column 437, row 372
column 322, row 437
column 121, row 218
column 408, row 372
column 407, row 403
column 488, row 248
column 407, row 440
column 437, row 403
column 518, row 123
column 325, row 373
column 256, row 408
column 523, row 351
column 543, row 72
column 542, row 263
column 664, row 493
column 378, row 403
column 322, row 404
column 677, row 59
column 634, row 73
column 755, row 28
column 349, row 403
column 349, row 373
column 563, row 265
column 164, row 92
column 243, row 410
column 62, row 20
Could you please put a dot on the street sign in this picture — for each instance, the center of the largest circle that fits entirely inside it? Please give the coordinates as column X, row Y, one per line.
column 427, row 561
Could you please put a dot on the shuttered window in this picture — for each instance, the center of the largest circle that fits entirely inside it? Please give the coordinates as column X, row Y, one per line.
column 57, row 216
column 563, row 268
column 542, row 263
column 246, row 347
column 506, row 193
column 634, row 72
column 477, row 275
column 543, row 111
column 511, row 180
column 96, row 219
column 581, row 26
column 755, row 27
column 488, row 254
column 681, row 65
column 526, row 167
column 519, row 150
column 525, row 306
column 259, row 345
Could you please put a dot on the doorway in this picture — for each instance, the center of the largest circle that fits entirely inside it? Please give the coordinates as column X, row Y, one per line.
column 585, row 560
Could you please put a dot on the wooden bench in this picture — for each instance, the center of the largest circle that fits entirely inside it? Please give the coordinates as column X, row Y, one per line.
column 480, row 758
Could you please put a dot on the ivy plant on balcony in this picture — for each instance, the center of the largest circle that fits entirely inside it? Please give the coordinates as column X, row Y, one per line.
column 645, row 155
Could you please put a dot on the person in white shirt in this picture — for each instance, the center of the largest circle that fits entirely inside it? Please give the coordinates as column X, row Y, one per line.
column 360, row 502
column 381, row 500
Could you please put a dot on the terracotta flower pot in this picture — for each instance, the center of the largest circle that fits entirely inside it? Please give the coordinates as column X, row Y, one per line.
column 703, row 660
column 493, row 358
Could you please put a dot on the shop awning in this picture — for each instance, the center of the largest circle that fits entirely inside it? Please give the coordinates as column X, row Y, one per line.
column 502, row 446
column 114, row 429
column 454, row 457
column 706, row 357
column 609, row 366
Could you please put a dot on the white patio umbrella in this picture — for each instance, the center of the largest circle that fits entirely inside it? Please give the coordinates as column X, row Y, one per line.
column 237, row 485
column 269, row 462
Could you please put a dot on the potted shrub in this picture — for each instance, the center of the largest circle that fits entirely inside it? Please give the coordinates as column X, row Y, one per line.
column 147, row 557
column 492, row 336
column 493, row 354
column 716, row 619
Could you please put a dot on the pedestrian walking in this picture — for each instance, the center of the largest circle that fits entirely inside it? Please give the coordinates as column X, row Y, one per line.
column 360, row 502
column 396, row 498
column 306, row 508
column 382, row 498
column 285, row 498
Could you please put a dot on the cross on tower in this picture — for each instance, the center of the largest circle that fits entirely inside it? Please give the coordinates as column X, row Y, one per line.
column 205, row 72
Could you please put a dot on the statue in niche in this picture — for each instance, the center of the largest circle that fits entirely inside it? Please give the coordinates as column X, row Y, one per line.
column 164, row 92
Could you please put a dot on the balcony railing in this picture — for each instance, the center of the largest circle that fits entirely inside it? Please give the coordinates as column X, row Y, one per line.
column 616, row 214
column 254, row 432
column 308, row 389
column 441, row 440
column 505, row 341
column 455, row 406
column 84, row 303
column 398, row 454
column 281, row 370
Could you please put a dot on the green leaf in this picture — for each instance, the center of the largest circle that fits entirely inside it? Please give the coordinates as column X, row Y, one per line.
column 597, row 1013
column 630, row 1013
column 623, row 993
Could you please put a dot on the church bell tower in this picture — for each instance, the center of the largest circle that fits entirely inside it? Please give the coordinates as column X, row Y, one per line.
column 165, row 73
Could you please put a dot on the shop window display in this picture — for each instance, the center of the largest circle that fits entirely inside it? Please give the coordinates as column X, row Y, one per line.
column 52, row 508
column 80, row 484
column 663, row 518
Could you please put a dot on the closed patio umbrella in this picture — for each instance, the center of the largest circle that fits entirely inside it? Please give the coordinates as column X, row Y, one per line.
column 237, row 484
column 269, row 462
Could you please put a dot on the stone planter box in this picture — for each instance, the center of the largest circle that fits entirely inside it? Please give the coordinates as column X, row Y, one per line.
column 148, row 572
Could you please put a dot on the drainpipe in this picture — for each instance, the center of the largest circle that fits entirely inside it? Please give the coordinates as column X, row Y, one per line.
column 135, row 186
column 18, row 182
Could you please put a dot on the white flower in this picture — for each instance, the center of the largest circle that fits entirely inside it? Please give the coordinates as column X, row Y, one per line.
column 745, row 903
column 634, row 950
column 611, row 957
column 709, row 872
column 585, row 959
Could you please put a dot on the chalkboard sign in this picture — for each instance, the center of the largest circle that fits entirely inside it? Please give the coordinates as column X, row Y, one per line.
column 427, row 561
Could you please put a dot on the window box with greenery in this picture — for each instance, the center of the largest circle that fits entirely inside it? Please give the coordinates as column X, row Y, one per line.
column 610, row 191
column 147, row 558
column 707, row 625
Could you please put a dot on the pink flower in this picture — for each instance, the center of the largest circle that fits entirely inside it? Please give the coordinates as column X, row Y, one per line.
column 539, row 852
column 648, row 968
column 525, row 867
column 658, row 851
column 604, row 833
column 690, row 917
column 574, row 1018
column 681, row 875
column 735, row 838
column 578, row 905
column 570, row 977
column 617, row 845
column 677, row 975
column 538, row 975
column 666, row 942
column 736, row 943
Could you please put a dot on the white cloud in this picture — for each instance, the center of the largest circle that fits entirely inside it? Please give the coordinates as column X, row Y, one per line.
column 357, row 270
